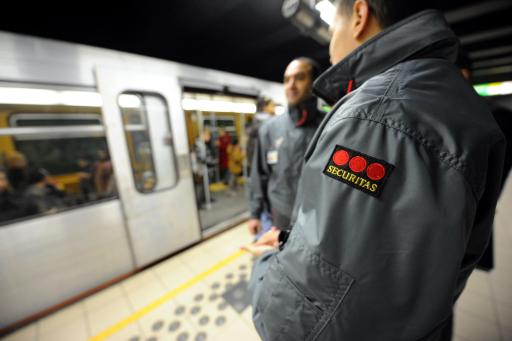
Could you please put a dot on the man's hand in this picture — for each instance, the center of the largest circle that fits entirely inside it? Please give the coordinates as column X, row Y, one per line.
column 269, row 241
column 257, row 250
column 253, row 225
column 270, row 238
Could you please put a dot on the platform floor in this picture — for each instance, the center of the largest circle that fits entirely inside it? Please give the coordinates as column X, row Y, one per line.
column 228, row 203
column 200, row 294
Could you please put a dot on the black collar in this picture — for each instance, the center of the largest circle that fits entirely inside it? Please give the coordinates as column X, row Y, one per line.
column 305, row 113
column 423, row 35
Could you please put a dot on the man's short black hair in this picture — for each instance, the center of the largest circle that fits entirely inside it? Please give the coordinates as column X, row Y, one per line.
column 388, row 12
column 37, row 175
column 315, row 66
column 463, row 60
column 262, row 102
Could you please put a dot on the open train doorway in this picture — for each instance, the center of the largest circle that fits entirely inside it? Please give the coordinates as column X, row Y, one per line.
column 217, row 137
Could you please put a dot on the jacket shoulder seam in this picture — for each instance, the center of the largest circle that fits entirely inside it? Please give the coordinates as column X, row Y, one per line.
column 444, row 156
column 379, row 112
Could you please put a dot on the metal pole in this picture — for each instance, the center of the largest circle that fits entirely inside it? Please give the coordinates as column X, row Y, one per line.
column 243, row 144
column 204, row 170
column 206, row 185
column 214, row 126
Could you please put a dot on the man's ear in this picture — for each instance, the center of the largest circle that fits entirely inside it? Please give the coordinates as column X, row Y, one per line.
column 360, row 19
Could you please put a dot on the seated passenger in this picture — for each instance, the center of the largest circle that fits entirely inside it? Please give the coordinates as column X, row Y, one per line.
column 42, row 196
column 17, row 171
column 9, row 205
column 103, row 177
column 86, row 175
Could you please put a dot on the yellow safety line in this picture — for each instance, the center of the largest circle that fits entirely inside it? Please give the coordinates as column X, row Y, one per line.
column 171, row 294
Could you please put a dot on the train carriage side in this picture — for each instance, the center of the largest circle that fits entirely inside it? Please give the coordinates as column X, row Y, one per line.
column 94, row 145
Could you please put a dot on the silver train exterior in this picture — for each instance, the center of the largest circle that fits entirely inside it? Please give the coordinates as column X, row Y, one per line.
column 49, row 259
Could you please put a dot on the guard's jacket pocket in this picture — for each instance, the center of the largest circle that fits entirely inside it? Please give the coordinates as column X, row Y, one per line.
column 298, row 294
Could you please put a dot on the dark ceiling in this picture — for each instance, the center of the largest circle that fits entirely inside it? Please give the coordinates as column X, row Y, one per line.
column 250, row 36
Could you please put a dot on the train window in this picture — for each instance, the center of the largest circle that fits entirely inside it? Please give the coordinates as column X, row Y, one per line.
column 54, row 120
column 148, row 136
column 221, row 122
column 53, row 156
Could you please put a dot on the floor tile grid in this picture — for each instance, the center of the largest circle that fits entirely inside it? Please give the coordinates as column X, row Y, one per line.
column 503, row 271
column 189, row 325
column 158, row 277
column 479, row 304
column 233, row 317
column 133, row 309
column 215, row 288
column 32, row 332
column 504, row 262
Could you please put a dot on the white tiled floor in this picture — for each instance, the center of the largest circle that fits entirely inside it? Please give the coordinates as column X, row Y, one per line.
column 483, row 313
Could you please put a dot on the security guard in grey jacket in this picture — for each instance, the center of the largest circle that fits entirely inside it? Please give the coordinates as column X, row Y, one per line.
column 398, row 191
column 281, row 145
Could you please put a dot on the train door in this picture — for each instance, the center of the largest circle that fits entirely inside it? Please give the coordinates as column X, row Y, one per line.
column 216, row 126
column 146, row 129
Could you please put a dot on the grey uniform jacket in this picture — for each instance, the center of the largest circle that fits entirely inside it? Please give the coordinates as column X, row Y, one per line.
column 384, row 255
column 278, row 159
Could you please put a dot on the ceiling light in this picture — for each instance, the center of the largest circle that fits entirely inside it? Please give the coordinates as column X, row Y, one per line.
column 28, row 96
column 126, row 101
column 218, row 106
column 327, row 11
column 81, row 98
column 307, row 19
column 494, row 89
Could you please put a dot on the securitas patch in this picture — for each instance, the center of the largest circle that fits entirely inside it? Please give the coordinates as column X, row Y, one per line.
column 358, row 170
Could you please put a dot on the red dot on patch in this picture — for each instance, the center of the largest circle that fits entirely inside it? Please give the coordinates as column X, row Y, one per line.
column 376, row 171
column 357, row 164
column 340, row 157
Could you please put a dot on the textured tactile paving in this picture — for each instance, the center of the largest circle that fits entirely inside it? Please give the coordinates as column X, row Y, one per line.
column 238, row 296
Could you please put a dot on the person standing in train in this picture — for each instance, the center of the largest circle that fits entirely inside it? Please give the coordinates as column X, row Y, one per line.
column 265, row 111
column 204, row 161
column 236, row 158
column 223, row 142
column 398, row 190
column 281, row 144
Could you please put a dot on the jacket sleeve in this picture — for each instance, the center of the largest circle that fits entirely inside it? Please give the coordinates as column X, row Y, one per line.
column 259, row 176
column 360, row 267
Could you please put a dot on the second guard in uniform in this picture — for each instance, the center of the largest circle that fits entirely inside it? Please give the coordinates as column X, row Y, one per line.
column 281, row 145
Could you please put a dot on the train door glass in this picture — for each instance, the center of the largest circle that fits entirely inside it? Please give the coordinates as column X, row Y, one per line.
column 148, row 136
column 217, row 141
column 53, row 153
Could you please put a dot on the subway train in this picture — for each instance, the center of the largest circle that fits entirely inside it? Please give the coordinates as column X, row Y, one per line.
column 112, row 134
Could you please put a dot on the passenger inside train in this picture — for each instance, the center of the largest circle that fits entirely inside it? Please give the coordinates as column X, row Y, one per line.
column 293, row 170
column 10, row 207
column 29, row 190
